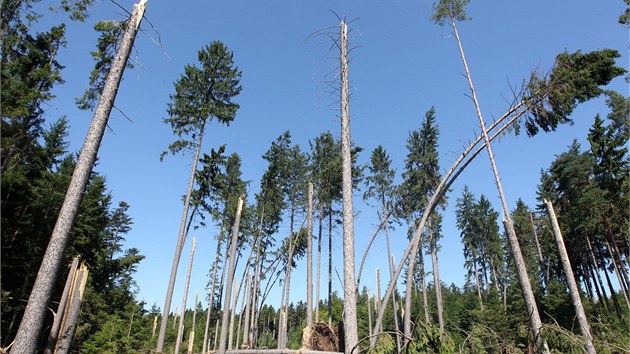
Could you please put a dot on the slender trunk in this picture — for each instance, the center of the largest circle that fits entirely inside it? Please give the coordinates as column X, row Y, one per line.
column 618, row 273
column 423, row 286
column 287, row 281
column 585, row 328
column 438, row 284
column 28, row 334
column 230, row 277
column 248, row 305
column 495, row 279
column 377, row 297
column 526, row 287
column 616, row 255
column 330, row 266
column 369, row 311
column 175, row 317
column 478, row 284
column 595, row 270
column 351, row 335
column 540, row 256
column 409, row 287
column 180, row 330
column 319, row 262
column 211, row 299
column 613, row 295
column 309, row 258
column 54, row 332
column 194, row 323
column 392, row 267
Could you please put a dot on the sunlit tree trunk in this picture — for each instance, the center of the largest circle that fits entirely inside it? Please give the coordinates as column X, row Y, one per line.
column 309, row 258
column 180, row 330
column 30, row 329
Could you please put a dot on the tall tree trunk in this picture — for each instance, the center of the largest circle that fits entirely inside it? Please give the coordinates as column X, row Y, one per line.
column 351, row 335
column 29, row 331
column 436, row 278
column 230, row 277
column 616, row 255
column 423, row 288
column 369, row 311
column 180, row 330
column 181, row 239
column 613, row 296
column 191, row 338
column 232, row 314
column 248, row 305
column 526, row 287
column 309, row 258
column 540, row 256
column 377, row 297
column 330, row 266
column 585, row 328
column 611, row 251
column 478, row 284
column 319, row 262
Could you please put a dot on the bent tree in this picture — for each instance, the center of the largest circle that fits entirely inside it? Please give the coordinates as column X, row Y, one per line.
column 201, row 94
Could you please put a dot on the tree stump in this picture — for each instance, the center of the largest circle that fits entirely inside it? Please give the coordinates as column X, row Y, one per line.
column 320, row 337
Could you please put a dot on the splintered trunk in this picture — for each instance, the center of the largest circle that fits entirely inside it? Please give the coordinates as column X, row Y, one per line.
column 230, row 277
column 526, row 287
column 309, row 258
column 349, row 294
column 54, row 332
column 28, row 334
column 180, row 330
column 70, row 317
column 585, row 328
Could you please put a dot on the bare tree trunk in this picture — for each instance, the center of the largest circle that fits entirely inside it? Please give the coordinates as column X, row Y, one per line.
column 191, row 338
column 423, row 287
column 181, row 239
column 369, row 311
column 309, row 258
column 377, row 296
column 211, row 300
column 585, row 328
column 248, row 305
column 29, row 331
column 526, row 287
column 436, row 278
column 349, row 297
column 540, row 256
column 232, row 314
column 54, row 332
column 230, row 277
column 69, row 323
column 319, row 262
column 478, row 284
column 180, row 329
column 330, row 266
column 595, row 269
column 611, row 251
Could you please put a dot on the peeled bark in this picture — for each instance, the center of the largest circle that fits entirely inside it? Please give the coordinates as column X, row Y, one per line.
column 349, row 296
column 71, row 316
column 585, row 328
column 230, row 277
column 54, row 332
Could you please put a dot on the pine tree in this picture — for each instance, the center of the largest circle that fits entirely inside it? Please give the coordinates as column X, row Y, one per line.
column 201, row 94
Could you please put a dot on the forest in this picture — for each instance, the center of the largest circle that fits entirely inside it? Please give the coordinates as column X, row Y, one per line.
column 325, row 243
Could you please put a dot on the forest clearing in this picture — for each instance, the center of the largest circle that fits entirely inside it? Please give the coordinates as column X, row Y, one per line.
column 434, row 177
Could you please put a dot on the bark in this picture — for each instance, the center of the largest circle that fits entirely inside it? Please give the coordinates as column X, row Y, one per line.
column 377, row 296
column 526, row 287
column 616, row 256
column 180, row 328
column 595, row 270
column 478, row 285
column 232, row 314
column 54, row 332
column 29, row 331
column 191, row 339
column 540, row 256
column 611, row 251
column 349, row 299
column 248, row 305
column 330, row 266
column 309, row 258
column 369, row 311
column 436, row 279
column 585, row 328
column 230, row 277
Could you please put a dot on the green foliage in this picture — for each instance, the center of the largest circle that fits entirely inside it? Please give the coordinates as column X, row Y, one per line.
column 624, row 18
column 201, row 94
column 428, row 339
column 575, row 78
column 446, row 11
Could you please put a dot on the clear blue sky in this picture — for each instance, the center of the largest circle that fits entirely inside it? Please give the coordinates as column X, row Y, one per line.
column 402, row 65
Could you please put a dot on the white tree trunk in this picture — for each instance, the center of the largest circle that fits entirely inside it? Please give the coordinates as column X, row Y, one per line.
column 230, row 277
column 309, row 258
column 180, row 329
column 349, row 298
column 28, row 334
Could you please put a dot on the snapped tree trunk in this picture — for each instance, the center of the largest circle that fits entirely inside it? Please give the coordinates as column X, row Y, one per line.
column 230, row 277
column 180, row 329
column 29, row 331
column 69, row 323
column 54, row 332
column 351, row 335
column 585, row 328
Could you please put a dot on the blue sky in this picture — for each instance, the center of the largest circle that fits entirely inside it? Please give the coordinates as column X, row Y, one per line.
column 402, row 65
